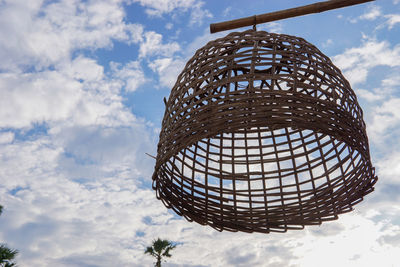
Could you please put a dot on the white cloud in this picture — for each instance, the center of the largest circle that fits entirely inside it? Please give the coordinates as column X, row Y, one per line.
column 198, row 14
column 78, row 217
column 93, row 152
column 168, row 70
column 108, row 214
column 357, row 75
column 275, row 27
column 226, row 11
column 390, row 107
column 386, row 89
column 346, row 243
column 385, row 117
column 157, row 8
column 73, row 192
column 169, row 26
column 393, row 19
column 153, row 46
column 372, row 13
column 78, row 93
column 42, row 81
column 36, row 98
column 6, row 137
column 136, row 33
column 49, row 33
column 131, row 74
column 79, row 195
column 389, row 168
column 368, row 95
column 357, row 62
column 327, row 43
column 391, row 81
column 38, row 157
column 84, row 69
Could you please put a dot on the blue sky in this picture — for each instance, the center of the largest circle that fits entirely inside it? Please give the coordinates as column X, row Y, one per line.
column 82, row 86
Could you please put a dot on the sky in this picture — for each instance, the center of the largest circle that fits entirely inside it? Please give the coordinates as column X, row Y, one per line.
column 81, row 101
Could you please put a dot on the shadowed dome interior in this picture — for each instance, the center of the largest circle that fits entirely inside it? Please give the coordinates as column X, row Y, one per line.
column 262, row 133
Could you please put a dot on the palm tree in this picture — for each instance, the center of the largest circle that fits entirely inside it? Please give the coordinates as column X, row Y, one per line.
column 159, row 249
column 7, row 255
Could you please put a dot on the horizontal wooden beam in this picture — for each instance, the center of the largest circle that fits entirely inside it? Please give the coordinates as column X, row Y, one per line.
column 284, row 14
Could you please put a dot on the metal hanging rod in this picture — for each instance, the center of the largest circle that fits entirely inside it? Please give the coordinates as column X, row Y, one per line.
column 283, row 14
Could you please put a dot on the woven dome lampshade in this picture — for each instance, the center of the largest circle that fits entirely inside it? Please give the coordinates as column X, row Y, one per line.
column 262, row 133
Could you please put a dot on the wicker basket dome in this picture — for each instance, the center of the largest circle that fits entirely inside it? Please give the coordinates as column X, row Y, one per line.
column 262, row 133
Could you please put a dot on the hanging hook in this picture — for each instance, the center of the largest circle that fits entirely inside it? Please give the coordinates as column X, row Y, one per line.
column 255, row 22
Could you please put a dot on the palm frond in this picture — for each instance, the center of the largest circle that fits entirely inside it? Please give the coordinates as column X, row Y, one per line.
column 167, row 250
column 160, row 248
column 7, row 254
column 150, row 250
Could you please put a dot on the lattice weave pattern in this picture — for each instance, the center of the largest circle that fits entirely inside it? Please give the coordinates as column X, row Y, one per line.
column 262, row 133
